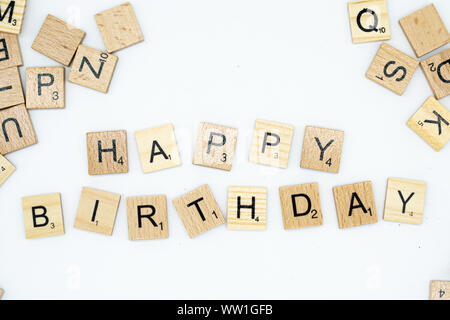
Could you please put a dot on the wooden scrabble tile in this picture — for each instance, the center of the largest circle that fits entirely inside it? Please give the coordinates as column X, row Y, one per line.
column 45, row 88
column 10, row 55
column 6, row 169
column 392, row 69
column 215, row 146
column 322, row 149
column 92, row 68
column 17, row 131
column 437, row 72
column 425, row 30
column 158, row 148
column 97, row 211
column 43, row 215
column 369, row 21
column 1, row 293
column 58, row 40
column 11, row 93
column 147, row 218
column 355, row 204
column 107, row 152
column 432, row 123
column 119, row 27
column 405, row 200
column 440, row 290
column 271, row 143
column 11, row 15
column 300, row 206
column 199, row 211
column 247, row 208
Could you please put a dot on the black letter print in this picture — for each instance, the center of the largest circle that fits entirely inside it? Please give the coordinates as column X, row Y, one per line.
column 393, row 73
column 241, row 206
column 96, row 74
column 94, row 214
column 404, row 201
column 36, row 216
column 10, row 8
column 322, row 149
column 438, row 122
column 148, row 216
column 353, row 207
column 4, row 49
column 113, row 150
column 6, row 88
column 199, row 210
column 268, row 143
column 440, row 73
column 5, row 133
column 211, row 143
column 157, row 153
column 294, row 204
column 375, row 20
column 46, row 84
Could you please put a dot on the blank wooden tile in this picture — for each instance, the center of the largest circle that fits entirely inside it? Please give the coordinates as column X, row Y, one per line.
column 119, row 27
column 247, row 208
column 322, row 149
column 300, row 206
column 369, row 21
column 58, row 40
column 6, row 169
column 11, row 93
column 271, row 143
column 405, row 200
column 158, row 148
column 440, row 290
column 432, row 123
column 10, row 55
column 437, row 72
column 16, row 129
column 215, row 146
column 45, row 87
column 199, row 211
column 97, row 211
column 43, row 215
column 107, row 152
column 392, row 69
column 355, row 204
column 93, row 68
column 147, row 218
column 425, row 30
column 11, row 15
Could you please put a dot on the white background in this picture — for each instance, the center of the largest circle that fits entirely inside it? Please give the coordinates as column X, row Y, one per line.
column 230, row 62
